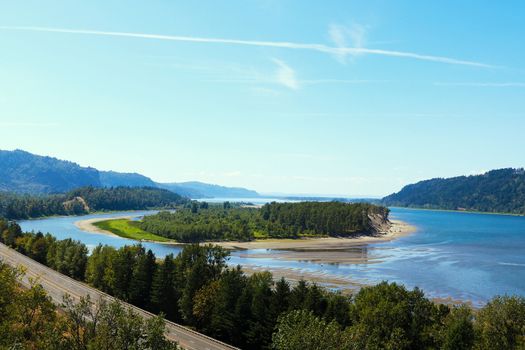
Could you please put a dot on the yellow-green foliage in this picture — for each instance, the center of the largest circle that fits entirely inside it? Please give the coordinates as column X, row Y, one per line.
column 128, row 229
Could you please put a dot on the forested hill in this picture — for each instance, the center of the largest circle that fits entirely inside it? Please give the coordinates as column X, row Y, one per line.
column 24, row 172
column 85, row 200
column 195, row 189
column 115, row 179
column 500, row 190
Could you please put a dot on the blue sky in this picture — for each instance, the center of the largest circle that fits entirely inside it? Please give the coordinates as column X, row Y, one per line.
column 332, row 97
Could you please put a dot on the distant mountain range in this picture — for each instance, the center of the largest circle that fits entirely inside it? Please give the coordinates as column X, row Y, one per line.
column 501, row 190
column 24, row 172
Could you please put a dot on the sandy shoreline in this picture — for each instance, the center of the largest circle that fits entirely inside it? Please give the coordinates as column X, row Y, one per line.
column 326, row 244
column 327, row 250
column 398, row 229
column 330, row 250
column 89, row 227
column 344, row 285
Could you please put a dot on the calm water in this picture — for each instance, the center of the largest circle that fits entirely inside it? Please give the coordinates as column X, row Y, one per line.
column 459, row 255
column 254, row 200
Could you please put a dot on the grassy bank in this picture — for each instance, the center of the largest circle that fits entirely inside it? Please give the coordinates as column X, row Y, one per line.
column 128, row 229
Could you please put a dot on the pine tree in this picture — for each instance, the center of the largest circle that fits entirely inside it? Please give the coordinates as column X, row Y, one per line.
column 142, row 279
column 280, row 298
column 164, row 294
column 298, row 295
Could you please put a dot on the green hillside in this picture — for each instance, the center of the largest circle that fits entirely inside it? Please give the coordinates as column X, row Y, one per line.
column 501, row 190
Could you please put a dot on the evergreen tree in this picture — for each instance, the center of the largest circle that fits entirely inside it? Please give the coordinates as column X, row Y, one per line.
column 315, row 300
column 261, row 323
column 280, row 298
column 164, row 293
column 225, row 323
column 298, row 295
column 195, row 280
column 99, row 268
column 142, row 278
column 123, row 266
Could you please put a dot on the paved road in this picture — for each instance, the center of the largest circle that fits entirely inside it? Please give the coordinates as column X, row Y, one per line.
column 57, row 285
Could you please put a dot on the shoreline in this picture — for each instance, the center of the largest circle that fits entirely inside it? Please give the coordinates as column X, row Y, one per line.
column 461, row 211
column 329, row 250
column 87, row 225
column 397, row 229
column 98, row 212
column 331, row 245
column 346, row 286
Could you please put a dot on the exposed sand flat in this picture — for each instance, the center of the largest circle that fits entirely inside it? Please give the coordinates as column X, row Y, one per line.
column 329, row 250
column 345, row 285
column 319, row 249
column 324, row 250
column 397, row 229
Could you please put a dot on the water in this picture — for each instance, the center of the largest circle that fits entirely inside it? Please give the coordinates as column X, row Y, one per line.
column 253, row 200
column 463, row 256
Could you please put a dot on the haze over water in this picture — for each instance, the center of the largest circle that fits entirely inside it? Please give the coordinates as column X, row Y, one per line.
column 463, row 256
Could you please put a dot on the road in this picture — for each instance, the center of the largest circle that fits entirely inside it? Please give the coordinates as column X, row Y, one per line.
column 57, row 284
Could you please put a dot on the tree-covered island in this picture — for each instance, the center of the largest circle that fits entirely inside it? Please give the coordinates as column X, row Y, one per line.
column 201, row 222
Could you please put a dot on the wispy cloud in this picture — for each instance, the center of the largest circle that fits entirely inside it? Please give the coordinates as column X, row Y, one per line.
column 298, row 82
column 341, row 81
column 280, row 74
column 347, row 36
column 285, row 75
column 337, row 51
column 482, row 84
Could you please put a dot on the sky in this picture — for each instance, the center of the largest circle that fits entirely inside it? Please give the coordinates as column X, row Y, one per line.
column 355, row 98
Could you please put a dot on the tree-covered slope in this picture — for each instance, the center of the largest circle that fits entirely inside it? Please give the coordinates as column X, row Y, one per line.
column 115, row 179
column 85, row 200
column 198, row 289
column 24, row 172
column 501, row 190
column 195, row 189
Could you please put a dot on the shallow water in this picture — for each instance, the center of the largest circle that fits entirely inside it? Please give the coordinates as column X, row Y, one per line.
column 463, row 256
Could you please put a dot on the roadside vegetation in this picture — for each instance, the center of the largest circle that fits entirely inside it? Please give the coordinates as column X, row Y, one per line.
column 128, row 229
column 29, row 320
column 203, row 222
column 197, row 288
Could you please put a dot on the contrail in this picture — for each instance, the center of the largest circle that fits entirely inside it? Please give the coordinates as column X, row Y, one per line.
column 277, row 44
column 496, row 85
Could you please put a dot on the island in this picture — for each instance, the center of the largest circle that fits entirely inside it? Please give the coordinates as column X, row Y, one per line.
column 304, row 225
